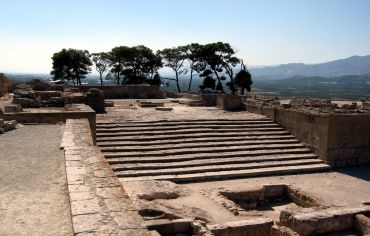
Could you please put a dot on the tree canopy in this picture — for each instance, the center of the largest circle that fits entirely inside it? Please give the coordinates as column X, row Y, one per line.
column 215, row 62
column 174, row 58
column 71, row 64
column 136, row 64
column 243, row 79
column 102, row 63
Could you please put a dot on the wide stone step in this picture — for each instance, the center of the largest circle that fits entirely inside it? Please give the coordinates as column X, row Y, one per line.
column 210, row 162
column 117, row 158
column 222, row 175
column 185, row 151
column 189, row 131
column 182, row 127
column 123, row 148
column 176, row 122
column 208, row 169
column 192, row 141
column 191, row 135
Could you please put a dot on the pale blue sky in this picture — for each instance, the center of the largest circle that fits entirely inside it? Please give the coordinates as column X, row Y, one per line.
column 263, row 32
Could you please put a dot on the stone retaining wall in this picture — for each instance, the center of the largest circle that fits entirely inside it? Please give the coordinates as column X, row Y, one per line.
column 339, row 139
column 73, row 111
column 99, row 204
column 128, row 91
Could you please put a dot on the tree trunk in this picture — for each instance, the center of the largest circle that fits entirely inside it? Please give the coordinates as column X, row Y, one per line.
column 177, row 82
column 191, row 78
column 101, row 79
column 118, row 78
column 218, row 79
column 242, row 91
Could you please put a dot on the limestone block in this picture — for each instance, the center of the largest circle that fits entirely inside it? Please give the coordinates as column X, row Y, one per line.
column 109, row 104
column 9, row 125
column 170, row 227
column 48, row 94
column 229, row 102
column 256, row 227
column 313, row 222
column 95, row 99
column 209, row 100
column 366, row 105
column 13, row 108
column 362, row 224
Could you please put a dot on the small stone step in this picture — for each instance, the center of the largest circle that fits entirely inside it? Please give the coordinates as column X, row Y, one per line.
column 187, row 151
column 210, row 162
column 223, row 175
column 209, row 169
column 189, row 136
column 192, row 141
column 123, row 148
column 122, row 159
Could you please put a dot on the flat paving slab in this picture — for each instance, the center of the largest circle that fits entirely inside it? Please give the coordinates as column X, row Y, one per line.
column 33, row 189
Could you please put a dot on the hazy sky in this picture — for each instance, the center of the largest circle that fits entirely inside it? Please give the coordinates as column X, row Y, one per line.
column 262, row 31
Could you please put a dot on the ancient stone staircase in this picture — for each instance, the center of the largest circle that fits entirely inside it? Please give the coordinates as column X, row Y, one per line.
column 202, row 150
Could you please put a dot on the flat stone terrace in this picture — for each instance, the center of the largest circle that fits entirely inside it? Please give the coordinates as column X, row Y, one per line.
column 191, row 144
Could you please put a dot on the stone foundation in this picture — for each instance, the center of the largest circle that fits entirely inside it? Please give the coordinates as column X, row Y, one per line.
column 229, row 102
column 128, row 91
column 338, row 139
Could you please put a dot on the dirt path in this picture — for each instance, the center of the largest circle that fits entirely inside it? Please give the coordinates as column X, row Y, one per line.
column 33, row 191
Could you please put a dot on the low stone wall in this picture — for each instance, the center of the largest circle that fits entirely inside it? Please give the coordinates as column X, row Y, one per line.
column 321, row 222
column 209, row 100
column 73, row 111
column 229, row 102
column 99, row 204
column 193, row 96
column 338, row 139
column 128, row 91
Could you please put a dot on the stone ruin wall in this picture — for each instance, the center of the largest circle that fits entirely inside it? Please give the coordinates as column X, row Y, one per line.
column 130, row 91
column 339, row 139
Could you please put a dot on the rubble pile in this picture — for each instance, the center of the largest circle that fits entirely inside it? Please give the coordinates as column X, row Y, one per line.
column 312, row 105
column 7, row 125
column 26, row 97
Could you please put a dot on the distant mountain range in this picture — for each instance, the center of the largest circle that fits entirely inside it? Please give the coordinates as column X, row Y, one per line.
column 355, row 65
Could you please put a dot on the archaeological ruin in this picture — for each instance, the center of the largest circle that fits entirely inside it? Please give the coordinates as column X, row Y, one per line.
column 139, row 161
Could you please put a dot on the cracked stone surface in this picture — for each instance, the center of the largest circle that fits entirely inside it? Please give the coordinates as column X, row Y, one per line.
column 99, row 204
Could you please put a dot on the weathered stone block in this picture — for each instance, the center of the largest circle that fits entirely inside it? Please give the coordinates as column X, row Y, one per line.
column 13, row 108
column 108, row 103
column 48, row 94
column 209, row 100
column 10, row 125
column 320, row 221
column 95, row 99
column 366, row 105
column 256, row 227
column 362, row 224
column 229, row 102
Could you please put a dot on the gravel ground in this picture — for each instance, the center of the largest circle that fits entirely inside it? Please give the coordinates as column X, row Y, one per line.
column 33, row 189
